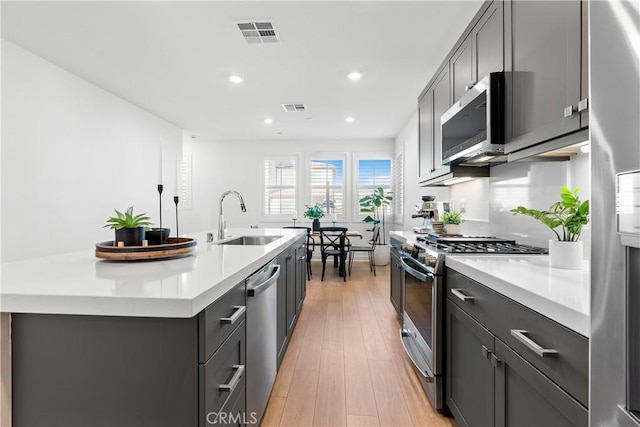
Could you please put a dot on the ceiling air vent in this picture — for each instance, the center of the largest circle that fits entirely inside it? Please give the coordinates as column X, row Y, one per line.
column 258, row 32
column 294, row 108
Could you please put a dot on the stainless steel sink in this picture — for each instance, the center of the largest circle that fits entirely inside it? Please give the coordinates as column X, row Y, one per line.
column 250, row 240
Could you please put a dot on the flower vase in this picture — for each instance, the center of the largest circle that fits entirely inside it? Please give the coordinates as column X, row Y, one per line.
column 316, row 224
column 567, row 255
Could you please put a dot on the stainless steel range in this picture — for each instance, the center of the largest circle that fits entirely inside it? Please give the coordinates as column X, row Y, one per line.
column 423, row 319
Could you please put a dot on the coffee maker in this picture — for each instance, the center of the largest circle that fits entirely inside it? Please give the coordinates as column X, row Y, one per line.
column 430, row 211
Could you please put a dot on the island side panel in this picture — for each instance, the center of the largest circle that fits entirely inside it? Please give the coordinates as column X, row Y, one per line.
column 100, row 370
column 5, row 369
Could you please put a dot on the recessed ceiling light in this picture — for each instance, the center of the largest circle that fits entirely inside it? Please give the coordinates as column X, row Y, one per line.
column 268, row 121
column 354, row 75
column 235, row 79
column 349, row 120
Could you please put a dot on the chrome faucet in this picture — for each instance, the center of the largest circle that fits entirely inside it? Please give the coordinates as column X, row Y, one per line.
column 222, row 224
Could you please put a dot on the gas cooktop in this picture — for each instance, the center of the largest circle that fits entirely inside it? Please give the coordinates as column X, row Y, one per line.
column 477, row 245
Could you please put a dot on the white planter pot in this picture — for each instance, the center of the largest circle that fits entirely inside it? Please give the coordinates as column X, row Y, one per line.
column 567, row 255
column 451, row 228
column 381, row 255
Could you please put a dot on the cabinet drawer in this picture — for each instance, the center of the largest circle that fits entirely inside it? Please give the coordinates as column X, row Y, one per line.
column 216, row 322
column 522, row 329
column 223, row 377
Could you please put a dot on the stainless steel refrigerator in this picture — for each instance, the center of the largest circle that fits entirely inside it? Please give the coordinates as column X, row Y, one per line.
column 614, row 388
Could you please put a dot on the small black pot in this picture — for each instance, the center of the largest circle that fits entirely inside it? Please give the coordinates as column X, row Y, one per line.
column 131, row 236
column 316, row 224
column 157, row 236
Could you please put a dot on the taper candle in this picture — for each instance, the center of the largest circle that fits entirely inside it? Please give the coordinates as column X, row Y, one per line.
column 295, row 215
column 176, row 187
column 160, row 163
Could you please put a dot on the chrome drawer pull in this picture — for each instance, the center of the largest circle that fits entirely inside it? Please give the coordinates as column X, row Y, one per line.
column 519, row 334
column 462, row 297
column 240, row 309
column 234, row 380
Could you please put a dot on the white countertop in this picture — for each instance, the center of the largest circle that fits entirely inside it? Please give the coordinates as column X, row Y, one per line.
column 561, row 295
column 80, row 283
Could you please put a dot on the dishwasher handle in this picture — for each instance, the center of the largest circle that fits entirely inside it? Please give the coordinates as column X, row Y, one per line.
column 255, row 290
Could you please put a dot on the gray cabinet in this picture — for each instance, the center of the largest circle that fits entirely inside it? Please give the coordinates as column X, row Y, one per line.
column 433, row 103
column 545, row 84
column 396, row 293
column 291, row 290
column 494, row 377
column 481, row 52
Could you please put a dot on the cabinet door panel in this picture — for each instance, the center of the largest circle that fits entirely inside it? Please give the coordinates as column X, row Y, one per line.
column 281, row 322
column 425, row 136
column 546, row 43
column 441, row 103
column 470, row 386
column 291, row 290
column 488, row 42
column 461, row 69
column 396, row 283
column 525, row 397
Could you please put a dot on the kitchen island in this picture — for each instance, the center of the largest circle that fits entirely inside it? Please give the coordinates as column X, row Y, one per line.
column 160, row 343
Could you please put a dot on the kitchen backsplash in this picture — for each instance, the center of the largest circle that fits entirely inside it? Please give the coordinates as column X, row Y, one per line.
column 534, row 184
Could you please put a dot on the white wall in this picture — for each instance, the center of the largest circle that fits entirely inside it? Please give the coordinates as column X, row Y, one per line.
column 407, row 143
column 218, row 166
column 71, row 154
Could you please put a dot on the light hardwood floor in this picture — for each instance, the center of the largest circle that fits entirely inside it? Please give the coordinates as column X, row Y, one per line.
column 345, row 365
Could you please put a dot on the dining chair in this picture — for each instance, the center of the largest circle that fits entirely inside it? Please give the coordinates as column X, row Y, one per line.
column 333, row 242
column 369, row 249
column 310, row 244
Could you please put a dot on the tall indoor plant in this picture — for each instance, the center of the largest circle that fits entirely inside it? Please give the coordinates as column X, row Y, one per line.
column 314, row 212
column 374, row 204
column 566, row 219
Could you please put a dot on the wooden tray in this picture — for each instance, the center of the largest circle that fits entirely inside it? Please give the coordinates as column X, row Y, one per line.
column 175, row 247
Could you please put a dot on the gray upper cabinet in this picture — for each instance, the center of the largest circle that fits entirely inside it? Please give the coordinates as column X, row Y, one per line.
column 441, row 103
column 433, row 103
column 481, row 52
column 462, row 75
column 425, row 136
column 545, row 85
column 583, row 105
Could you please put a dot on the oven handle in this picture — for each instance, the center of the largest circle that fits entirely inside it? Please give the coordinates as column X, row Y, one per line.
column 415, row 273
column 424, row 370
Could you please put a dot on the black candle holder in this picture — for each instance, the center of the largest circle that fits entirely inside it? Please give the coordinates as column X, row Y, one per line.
column 176, row 199
column 160, row 188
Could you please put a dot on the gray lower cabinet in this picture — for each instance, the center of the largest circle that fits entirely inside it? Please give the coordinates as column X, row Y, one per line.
column 396, row 275
column 493, row 378
column 291, row 291
column 545, row 84
column 72, row 370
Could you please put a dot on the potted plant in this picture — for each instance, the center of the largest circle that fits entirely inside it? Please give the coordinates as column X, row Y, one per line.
column 452, row 220
column 374, row 204
column 130, row 229
column 568, row 215
column 314, row 212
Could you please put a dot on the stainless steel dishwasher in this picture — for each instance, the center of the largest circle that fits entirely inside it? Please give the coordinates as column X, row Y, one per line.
column 261, row 338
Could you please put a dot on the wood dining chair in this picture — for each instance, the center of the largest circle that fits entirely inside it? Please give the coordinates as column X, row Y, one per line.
column 370, row 249
column 333, row 243
column 310, row 244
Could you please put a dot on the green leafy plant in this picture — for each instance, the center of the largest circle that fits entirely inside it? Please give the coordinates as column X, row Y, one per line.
column 569, row 214
column 314, row 212
column 452, row 217
column 127, row 220
column 374, row 204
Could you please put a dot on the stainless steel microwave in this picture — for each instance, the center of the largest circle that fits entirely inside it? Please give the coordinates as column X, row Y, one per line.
column 473, row 128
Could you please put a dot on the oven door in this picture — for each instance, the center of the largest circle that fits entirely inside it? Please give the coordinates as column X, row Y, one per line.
column 422, row 330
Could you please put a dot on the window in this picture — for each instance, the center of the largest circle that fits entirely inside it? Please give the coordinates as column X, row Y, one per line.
column 374, row 173
column 398, row 189
column 327, row 185
column 279, row 186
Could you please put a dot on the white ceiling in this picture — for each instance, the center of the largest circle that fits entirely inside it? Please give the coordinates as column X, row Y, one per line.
column 174, row 59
